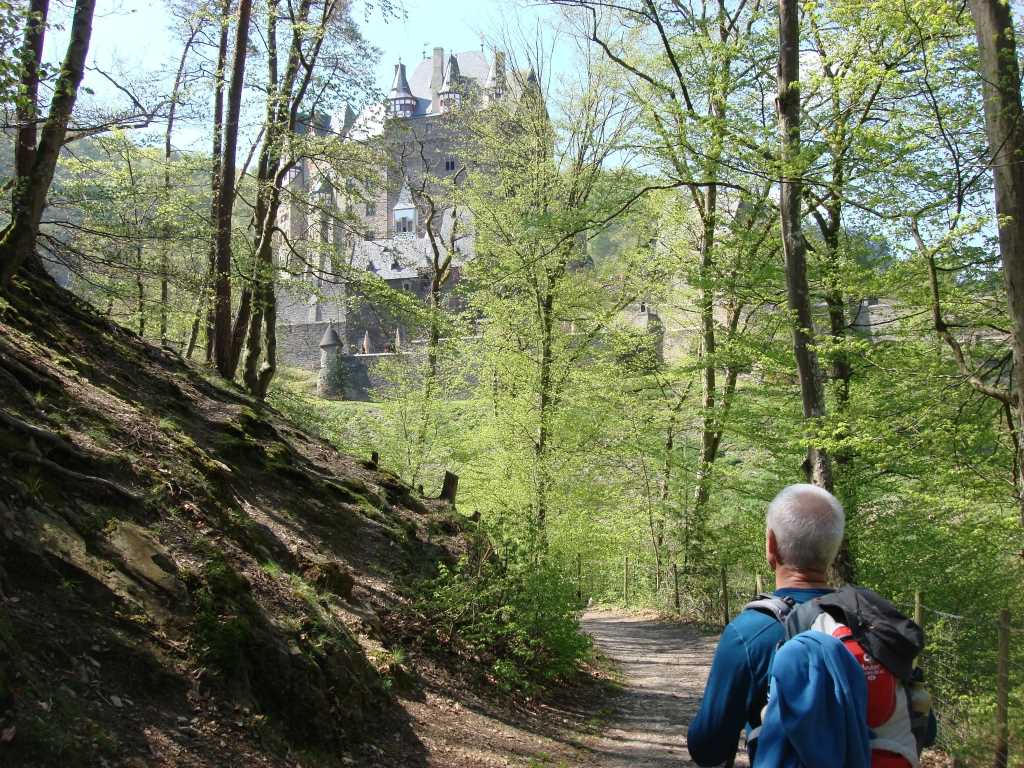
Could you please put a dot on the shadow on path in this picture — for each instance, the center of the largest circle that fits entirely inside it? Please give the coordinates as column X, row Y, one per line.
column 664, row 667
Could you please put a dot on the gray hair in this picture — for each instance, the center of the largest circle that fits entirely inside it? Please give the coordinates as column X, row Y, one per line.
column 808, row 522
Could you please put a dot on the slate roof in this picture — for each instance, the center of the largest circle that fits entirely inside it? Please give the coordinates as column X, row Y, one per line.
column 330, row 337
column 404, row 198
column 400, row 87
column 411, row 256
column 471, row 64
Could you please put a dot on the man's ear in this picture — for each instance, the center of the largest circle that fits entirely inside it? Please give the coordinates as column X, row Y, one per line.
column 771, row 549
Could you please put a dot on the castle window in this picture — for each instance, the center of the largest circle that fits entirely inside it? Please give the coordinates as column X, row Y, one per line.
column 449, row 163
column 404, row 225
column 643, row 307
column 371, row 209
column 370, row 235
column 405, row 286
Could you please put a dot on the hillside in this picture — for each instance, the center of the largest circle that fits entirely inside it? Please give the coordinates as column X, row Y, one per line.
column 187, row 580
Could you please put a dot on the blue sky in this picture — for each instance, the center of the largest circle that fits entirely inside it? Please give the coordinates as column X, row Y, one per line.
column 136, row 36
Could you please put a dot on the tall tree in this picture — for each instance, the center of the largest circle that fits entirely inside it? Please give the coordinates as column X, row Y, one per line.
column 222, row 342
column 37, row 162
column 1004, row 123
column 818, row 463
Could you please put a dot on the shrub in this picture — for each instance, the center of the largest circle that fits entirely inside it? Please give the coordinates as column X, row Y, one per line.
column 518, row 617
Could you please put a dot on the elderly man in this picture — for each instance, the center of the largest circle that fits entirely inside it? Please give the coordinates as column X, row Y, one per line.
column 804, row 529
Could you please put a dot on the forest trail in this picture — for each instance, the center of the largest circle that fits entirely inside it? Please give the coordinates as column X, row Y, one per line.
column 663, row 668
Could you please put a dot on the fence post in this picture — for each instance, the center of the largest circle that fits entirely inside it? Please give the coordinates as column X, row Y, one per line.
column 918, row 617
column 625, row 581
column 725, row 598
column 675, row 585
column 758, row 584
column 1003, row 692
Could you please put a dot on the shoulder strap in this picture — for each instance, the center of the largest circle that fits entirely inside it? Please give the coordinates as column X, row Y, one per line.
column 802, row 617
column 777, row 607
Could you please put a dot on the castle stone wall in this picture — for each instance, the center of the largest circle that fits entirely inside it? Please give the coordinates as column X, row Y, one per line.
column 299, row 345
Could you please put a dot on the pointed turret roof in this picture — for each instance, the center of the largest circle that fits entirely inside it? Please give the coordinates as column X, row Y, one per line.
column 400, row 87
column 451, row 75
column 496, row 74
column 404, row 198
column 324, row 187
column 330, row 337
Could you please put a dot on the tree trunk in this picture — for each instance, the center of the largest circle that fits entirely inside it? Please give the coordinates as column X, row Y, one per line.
column 283, row 100
column 222, row 346
column 544, row 405
column 218, row 140
column 818, row 465
column 140, row 291
column 708, row 443
column 1004, row 124
column 26, row 110
column 175, row 95
column 18, row 239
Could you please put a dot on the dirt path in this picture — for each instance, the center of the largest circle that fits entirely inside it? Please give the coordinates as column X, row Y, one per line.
column 663, row 667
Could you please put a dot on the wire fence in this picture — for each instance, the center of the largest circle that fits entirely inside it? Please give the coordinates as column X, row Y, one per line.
column 973, row 662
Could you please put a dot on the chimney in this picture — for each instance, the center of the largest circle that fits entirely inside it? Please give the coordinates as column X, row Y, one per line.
column 436, row 80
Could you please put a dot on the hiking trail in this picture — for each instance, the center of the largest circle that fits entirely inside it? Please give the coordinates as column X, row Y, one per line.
column 663, row 666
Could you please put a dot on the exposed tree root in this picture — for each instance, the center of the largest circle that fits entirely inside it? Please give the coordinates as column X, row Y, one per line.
column 19, row 388
column 57, row 469
column 41, row 435
column 24, row 374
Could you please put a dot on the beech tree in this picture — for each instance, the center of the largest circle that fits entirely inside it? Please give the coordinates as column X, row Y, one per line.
column 1004, row 122
column 38, row 151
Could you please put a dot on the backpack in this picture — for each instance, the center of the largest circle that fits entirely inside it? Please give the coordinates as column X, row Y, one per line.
column 885, row 643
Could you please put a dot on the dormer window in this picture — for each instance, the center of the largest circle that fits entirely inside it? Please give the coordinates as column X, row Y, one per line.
column 404, row 214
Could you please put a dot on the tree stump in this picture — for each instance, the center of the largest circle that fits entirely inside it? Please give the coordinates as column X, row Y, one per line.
column 449, row 488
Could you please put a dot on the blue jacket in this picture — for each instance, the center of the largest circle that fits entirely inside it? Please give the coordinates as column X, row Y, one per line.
column 737, row 687
column 817, row 708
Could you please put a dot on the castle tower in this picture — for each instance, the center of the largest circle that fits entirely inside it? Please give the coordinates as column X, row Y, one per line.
column 401, row 102
column 329, row 382
column 450, row 94
column 496, row 85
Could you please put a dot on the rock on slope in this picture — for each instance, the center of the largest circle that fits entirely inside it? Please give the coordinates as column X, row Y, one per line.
column 185, row 579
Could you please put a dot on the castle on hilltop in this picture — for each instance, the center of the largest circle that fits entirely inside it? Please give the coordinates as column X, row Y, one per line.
column 331, row 226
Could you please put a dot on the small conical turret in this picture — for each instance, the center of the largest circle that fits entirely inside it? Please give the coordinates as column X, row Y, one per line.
column 400, row 86
column 496, row 77
column 450, row 94
column 330, row 339
column 329, row 381
column 402, row 103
